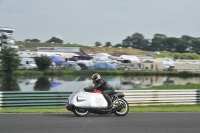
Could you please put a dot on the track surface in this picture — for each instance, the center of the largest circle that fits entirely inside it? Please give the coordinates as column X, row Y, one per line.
column 132, row 123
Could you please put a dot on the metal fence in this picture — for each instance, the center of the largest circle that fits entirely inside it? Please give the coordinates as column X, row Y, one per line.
column 44, row 99
column 158, row 97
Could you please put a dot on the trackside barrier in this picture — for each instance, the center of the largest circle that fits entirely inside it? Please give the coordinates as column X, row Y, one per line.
column 42, row 99
column 159, row 97
column 45, row 99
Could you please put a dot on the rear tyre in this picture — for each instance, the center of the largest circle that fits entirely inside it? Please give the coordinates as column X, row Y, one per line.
column 124, row 111
column 81, row 112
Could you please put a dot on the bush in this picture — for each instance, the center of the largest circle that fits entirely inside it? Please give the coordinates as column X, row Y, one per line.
column 43, row 62
column 186, row 56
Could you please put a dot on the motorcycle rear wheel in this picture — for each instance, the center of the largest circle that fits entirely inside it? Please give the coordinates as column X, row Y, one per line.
column 124, row 111
column 81, row 112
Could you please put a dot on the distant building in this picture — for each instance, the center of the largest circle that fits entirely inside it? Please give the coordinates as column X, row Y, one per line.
column 27, row 54
column 7, row 37
column 7, row 30
column 76, row 50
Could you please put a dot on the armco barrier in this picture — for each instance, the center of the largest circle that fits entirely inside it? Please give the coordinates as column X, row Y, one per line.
column 158, row 97
column 42, row 99
column 45, row 99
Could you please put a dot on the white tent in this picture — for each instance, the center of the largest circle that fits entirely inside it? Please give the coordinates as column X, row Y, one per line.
column 101, row 56
column 130, row 57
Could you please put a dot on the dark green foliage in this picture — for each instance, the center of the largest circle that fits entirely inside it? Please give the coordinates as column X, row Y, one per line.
column 98, row 44
column 137, row 40
column 42, row 84
column 10, row 60
column 27, row 73
column 157, row 42
column 191, row 56
column 9, row 83
column 118, row 45
column 108, row 44
column 161, row 42
column 32, row 40
column 43, row 62
column 185, row 74
column 54, row 40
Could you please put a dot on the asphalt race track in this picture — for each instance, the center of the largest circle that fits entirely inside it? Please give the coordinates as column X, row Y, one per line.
column 132, row 123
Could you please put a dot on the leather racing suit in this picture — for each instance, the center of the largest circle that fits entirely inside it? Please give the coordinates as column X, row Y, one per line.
column 106, row 90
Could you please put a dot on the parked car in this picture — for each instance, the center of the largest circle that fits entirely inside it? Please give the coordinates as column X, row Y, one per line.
column 71, row 65
column 25, row 67
column 83, row 66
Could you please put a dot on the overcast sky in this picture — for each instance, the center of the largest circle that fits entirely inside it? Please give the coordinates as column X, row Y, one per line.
column 87, row 21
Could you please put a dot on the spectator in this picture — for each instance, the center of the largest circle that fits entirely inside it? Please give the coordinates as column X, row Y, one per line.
column 151, row 66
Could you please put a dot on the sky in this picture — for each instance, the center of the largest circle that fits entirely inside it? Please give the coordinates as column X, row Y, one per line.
column 88, row 21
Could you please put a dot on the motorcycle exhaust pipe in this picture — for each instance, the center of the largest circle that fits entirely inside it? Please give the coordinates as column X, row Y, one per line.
column 117, row 108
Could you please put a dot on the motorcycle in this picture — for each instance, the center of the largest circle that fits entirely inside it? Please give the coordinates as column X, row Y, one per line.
column 82, row 102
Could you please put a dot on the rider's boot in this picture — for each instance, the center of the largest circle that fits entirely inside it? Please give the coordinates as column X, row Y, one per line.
column 108, row 99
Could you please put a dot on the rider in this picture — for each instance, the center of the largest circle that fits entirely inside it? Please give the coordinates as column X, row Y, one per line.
column 102, row 85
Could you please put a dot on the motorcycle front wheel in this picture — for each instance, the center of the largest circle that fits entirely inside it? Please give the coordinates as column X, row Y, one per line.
column 81, row 112
column 124, row 111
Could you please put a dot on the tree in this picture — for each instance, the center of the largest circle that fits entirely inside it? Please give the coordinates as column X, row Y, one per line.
column 10, row 60
column 35, row 40
column 187, row 42
column 180, row 48
column 127, row 42
column 32, row 40
column 98, row 44
column 196, row 45
column 55, row 40
column 118, row 45
column 108, row 44
column 171, row 43
column 157, row 42
column 146, row 45
column 137, row 40
column 43, row 62
column 27, row 40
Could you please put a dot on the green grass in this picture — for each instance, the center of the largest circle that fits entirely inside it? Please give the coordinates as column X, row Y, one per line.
column 152, row 108
column 166, row 108
column 170, row 87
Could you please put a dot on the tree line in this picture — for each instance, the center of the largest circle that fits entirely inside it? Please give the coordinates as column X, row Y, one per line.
column 160, row 42
column 51, row 40
column 10, row 61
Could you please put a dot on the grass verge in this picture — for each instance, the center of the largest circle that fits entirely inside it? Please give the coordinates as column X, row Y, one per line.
column 152, row 108
column 171, row 87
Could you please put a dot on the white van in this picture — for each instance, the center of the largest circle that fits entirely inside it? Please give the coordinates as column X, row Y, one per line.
column 127, row 64
column 29, row 61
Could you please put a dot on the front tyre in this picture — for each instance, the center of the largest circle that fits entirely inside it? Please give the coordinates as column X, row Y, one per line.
column 124, row 111
column 81, row 112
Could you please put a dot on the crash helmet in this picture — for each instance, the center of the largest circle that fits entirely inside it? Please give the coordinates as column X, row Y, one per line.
column 95, row 78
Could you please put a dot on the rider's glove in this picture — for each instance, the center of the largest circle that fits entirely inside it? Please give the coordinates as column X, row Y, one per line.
column 87, row 89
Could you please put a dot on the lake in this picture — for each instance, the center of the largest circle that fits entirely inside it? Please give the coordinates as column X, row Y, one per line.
column 70, row 83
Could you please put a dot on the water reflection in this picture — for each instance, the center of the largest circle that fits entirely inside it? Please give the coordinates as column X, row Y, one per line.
column 72, row 78
column 42, row 84
column 9, row 83
column 69, row 83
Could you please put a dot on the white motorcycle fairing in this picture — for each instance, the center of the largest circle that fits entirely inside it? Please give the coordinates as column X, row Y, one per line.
column 88, row 100
column 81, row 103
